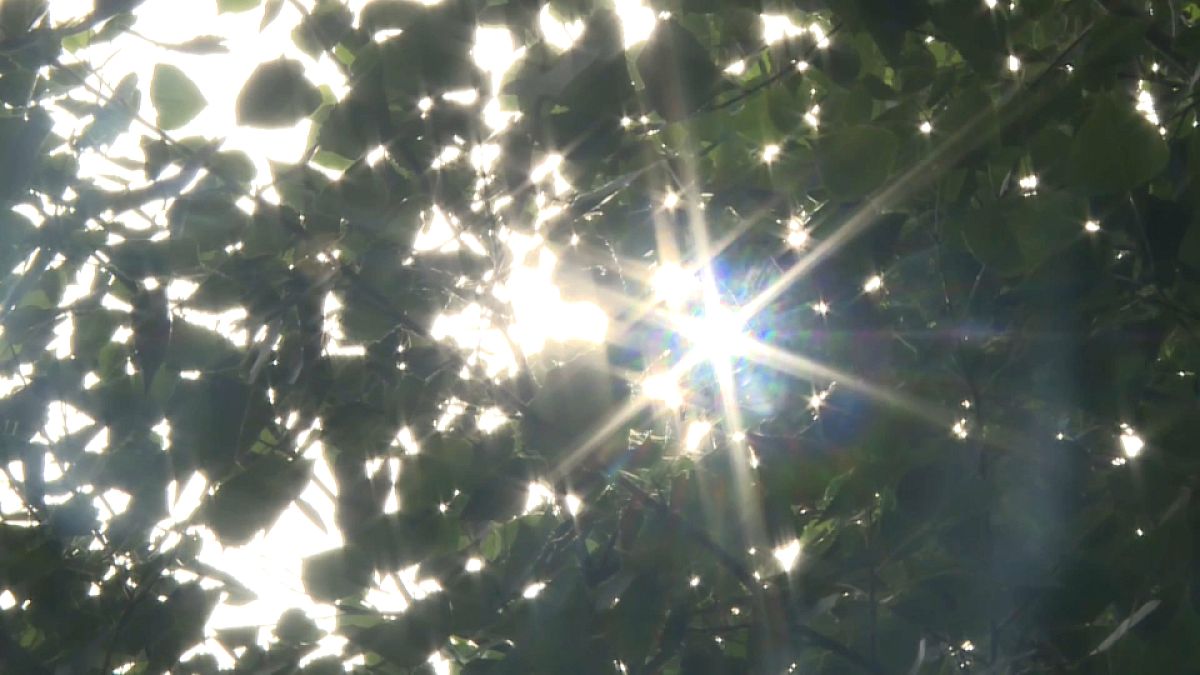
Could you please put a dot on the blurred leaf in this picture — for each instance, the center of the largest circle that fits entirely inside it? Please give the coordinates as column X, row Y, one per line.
column 270, row 13
column 339, row 573
column 678, row 71
column 253, row 498
column 204, row 44
column 277, row 95
column 856, row 160
column 1115, row 150
column 236, row 5
column 176, row 98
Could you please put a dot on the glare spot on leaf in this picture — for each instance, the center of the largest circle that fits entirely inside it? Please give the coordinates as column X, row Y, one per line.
column 818, row 33
column 1028, row 183
column 574, row 503
column 532, row 590
column 663, row 388
column 770, row 153
column 696, row 434
column 778, row 27
column 1131, row 443
column 813, row 117
column 451, row 410
column 637, row 21
column 491, row 419
column 959, row 429
column 559, row 34
column 787, row 555
column 1145, row 104
column 539, row 495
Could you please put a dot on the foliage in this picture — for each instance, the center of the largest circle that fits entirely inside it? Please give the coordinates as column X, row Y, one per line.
column 982, row 459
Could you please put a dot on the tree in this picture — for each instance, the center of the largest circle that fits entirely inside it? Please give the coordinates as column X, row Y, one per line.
column 898, row 370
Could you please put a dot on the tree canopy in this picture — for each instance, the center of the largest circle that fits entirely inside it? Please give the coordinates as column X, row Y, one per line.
column 587, row 336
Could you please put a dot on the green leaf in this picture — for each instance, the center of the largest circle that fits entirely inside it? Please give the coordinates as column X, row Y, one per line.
column 333, row 575
column 18, row 16
column 678, row 71
column 1017, row 237
column 194, row 348
column 975, row 31
column 176, row 98
column 236, row 5
column 1189, row 249
column 856, row 160
column 277, row 95
column 270, row 13
column 116, row 115
column 203, row 44
column 254, row 498
column 1115, row 150
column 295, row 628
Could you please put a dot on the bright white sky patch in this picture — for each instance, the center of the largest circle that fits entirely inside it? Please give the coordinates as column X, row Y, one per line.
column 10, row 500
column 63, row 419
column 663, row 388
column 270, row 564
column 176, row 22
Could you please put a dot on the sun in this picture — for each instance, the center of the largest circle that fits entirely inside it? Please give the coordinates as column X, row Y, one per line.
column 718, row 332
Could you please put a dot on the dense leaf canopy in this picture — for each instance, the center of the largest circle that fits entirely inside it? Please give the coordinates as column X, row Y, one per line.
column 688, row 337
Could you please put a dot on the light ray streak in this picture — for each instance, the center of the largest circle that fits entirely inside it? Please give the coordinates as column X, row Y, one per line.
column 793, row 364
column 747, row 502
column 952, row 147
column 956, row 145
column 616, row 420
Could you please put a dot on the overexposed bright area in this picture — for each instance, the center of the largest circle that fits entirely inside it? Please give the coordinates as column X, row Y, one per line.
column 271, row 563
